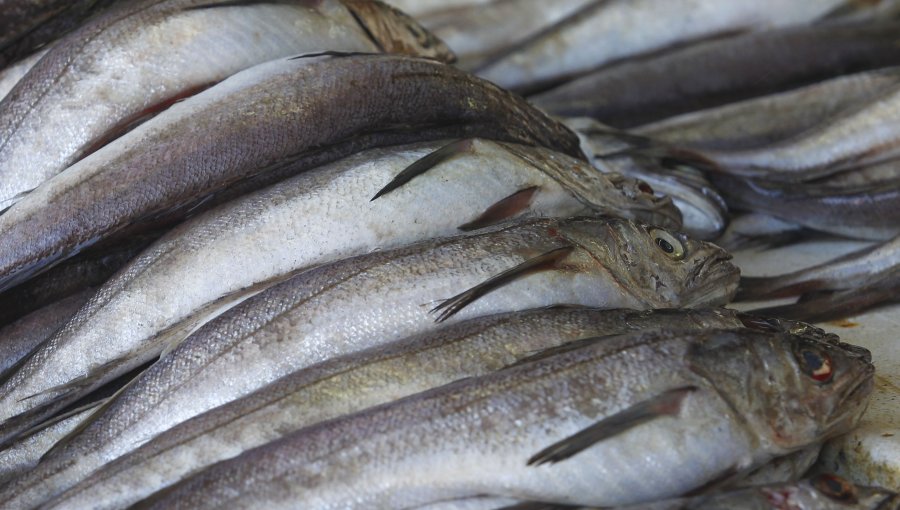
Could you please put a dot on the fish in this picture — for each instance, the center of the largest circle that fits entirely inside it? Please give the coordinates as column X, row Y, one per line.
column 253, row 129
column 570, row 47
column 668, row 171
column 722, row 71
column 856, row 269
column 351, row 207
column 784, row 469
column 858, row 136
column 183, row 46
column 22, row 457
column 822, row 492
column 11, row 75
column 758, row 230
column 772, row 118
column 878, row 173
column 335, row 387
column 475, row 34
column 89, row 269
column 570, row 427
column 835, row 305
column 868, row 211
column 329, row 310
column 20, row 337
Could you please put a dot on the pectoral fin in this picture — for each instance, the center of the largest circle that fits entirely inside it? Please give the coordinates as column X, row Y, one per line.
column 666, row 404
column 425, row 164
column 507, row 208
column 543, row 262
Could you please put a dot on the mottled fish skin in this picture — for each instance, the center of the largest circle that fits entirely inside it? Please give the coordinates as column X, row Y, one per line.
column 630, row 28
column 861, row 135
column 717, row 72
column 754, row 394
column 313, row 218
column 259, row 126
column 330, row 310
column 138, row 56
column 773, row 118
column 823, row 492
column 856, row 269
column 477, row 33
column 330, row 389
column 669, row 171
column 21, row 337
column 868, row 211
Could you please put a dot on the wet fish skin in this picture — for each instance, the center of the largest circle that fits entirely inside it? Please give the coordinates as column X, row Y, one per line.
column 187, row 47
column 328, row 311
column 19, row 459
column 310, row 219
column 722, row 71
column 340, row 386
column 270, row 129
column 856, row 269
column 670, row 171
column 19, row 338
column 867, row 211
column 772, row 118
column 784, row 469
column 485, row 429
column 631, row 28
column 11, row 75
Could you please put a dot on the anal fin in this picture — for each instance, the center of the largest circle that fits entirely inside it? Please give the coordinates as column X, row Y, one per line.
column 666, row 404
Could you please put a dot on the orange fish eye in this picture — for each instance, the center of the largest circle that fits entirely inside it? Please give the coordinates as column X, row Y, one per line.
column 836, row 488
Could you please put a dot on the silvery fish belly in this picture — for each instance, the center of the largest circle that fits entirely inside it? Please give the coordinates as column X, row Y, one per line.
column 137, row 57
column 335, row 387
column 585, row 426
column 310, row 219
column 372, row 299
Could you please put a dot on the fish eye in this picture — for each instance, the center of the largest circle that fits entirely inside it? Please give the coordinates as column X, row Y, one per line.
column 836, row 488
column 668, row 243
column 815, row 364
column 644, row 187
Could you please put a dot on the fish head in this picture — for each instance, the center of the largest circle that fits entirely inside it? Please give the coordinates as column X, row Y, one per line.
column 827, row 491
column 659, row 267
column 789, row 390
column 396, row 32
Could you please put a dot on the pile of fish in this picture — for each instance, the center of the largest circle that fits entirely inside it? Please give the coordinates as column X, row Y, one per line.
column 328, row 254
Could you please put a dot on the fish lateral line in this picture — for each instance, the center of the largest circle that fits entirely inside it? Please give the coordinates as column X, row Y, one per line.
column 544, row 262
column 667, row 404
column 425, row 164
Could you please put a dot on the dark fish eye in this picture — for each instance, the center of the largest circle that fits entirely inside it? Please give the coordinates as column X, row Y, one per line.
column 643, row 186
column 836, row 488
column 668, row 243
column 815, row 364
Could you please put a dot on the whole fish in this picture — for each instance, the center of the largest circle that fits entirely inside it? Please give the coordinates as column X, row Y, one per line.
column 868, row 211
column 475, row 34
column 857, row 136
column 138, row 57
column 669, row 171
column 855, row 269
column 22, row 336
column 332, row 310
column 717, row 72
column 588, row 426
column 30, row 25
column 571, row 46
column 823, row 492
column 773, row 118
column 313, row 218
column 255, row 128
column 327, row 390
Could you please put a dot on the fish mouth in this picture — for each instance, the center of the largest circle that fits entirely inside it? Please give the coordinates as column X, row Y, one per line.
column 853, row 401
column 714, row 282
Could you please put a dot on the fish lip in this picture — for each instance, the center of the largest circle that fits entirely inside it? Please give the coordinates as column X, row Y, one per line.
column 714, row 273
column 859, row 388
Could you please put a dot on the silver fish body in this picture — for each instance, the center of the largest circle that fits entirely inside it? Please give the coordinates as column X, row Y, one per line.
column 136, row 57
column 197, row 269
column 332, row 310
column 327, row 390
column 772, row 118
column 580, row 427
column 629, row 28
column 253, row 129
